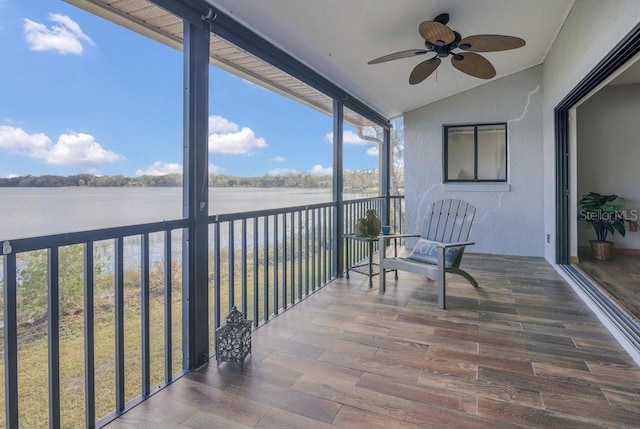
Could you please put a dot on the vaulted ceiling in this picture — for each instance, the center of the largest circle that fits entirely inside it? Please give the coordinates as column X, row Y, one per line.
column 337, row 38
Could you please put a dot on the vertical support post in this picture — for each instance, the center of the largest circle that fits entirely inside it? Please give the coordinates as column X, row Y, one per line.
column 338, row 187
column 119, row 323
column 10, row 342
column 145, row 311
column 89, row 339
column 168, row 307
column 195, row 196
column 385, row 175
column 53, row 334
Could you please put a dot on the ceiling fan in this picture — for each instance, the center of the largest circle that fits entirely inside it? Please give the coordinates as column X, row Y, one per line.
column 442, row 40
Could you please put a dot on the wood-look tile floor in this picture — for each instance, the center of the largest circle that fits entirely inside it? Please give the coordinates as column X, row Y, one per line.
column 520, row 351
column 619, row 276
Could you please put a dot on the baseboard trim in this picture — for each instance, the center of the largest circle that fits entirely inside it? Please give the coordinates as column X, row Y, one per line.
column 634, row 252
column 619, row 250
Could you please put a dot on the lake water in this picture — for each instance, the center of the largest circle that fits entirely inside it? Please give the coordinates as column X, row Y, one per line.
column 28, row 212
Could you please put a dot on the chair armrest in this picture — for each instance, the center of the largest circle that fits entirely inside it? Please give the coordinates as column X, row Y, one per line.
column 447, row 245
column 398, row 236
column 383, row 239
column 437, row 243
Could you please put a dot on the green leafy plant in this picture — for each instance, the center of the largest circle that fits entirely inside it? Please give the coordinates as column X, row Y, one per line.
column 373, row 223
column 601, row 212
column 361, row 229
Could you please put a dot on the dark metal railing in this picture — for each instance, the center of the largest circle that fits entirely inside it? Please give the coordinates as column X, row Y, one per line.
column 283, row 256
column 264, row 262
column 397, row 213
column 356, row 209
column 16, row 256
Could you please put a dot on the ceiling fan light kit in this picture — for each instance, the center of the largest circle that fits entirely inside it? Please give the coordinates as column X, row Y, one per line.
column 442, row 40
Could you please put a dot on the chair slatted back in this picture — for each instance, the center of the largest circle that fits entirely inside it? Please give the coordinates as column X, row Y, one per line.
column 448, row 221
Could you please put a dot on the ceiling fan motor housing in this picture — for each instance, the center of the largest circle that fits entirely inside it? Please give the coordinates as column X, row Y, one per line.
column 442, row 40
column 443, row 50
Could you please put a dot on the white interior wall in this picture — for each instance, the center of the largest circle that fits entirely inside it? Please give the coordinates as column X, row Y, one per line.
column 608, row 149
column 591, row 30
column 509, row 218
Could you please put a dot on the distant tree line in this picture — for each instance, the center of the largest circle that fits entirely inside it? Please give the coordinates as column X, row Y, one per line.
column 82, row 180
column 360, row 180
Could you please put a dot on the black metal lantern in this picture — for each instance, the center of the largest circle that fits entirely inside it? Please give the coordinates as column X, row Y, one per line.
column 233, row 339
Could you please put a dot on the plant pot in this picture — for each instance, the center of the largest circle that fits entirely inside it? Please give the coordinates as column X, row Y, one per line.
column 373, row 224
column 601, row 250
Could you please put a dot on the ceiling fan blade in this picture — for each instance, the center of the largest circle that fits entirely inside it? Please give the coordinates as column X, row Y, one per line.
column 490, row 43
column 474, row 65
column 423, row 70
column 398, row 55
column 436, row 33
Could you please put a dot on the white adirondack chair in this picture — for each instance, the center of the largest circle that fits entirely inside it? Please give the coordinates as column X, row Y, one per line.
column 440, row 247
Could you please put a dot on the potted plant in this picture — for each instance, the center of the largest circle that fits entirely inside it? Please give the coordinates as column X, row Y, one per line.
column 373, row 223
column 606, row 217
column 368, row 226
column 361, row 227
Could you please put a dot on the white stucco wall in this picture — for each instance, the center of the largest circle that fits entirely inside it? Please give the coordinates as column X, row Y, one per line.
column 608, row 149
column 507, row 222
column 591, row 30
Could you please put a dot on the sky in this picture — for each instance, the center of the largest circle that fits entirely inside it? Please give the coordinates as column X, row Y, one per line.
column 79, row 94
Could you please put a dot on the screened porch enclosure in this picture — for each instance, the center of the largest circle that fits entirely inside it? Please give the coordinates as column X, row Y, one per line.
column 143, row 301
column 114, row 301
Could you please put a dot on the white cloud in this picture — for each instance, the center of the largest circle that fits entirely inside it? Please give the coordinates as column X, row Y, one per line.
column 220, row 125
column 348, row 137
column 214, row 169
column 65, row 35
column 372, row 151
column 278, row 159
column 282, row 171
column 10, row 176
column 319, row 170
column 71, row 148
column 16, row 139
column 227, row 137
column 77, row 149
column 160, row 168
